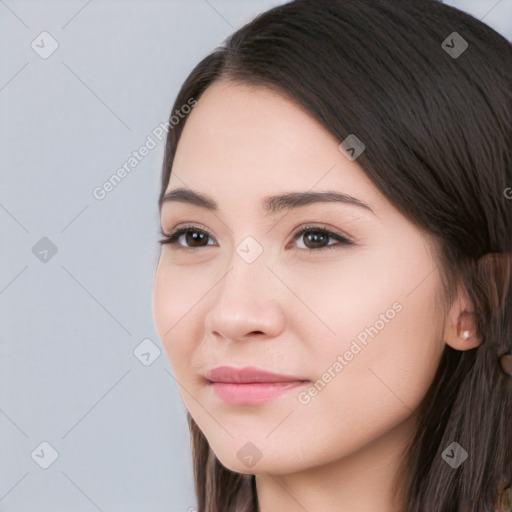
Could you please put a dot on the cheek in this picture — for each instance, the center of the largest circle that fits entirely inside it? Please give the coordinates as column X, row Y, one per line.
column 380, row 387
column 374, row 353
column 175, row 292
column 389, row 336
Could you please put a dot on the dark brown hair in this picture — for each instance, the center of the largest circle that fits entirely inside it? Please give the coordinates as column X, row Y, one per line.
column 438, row 136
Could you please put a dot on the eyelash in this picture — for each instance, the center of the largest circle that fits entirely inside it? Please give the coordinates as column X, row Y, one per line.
column 173, row 238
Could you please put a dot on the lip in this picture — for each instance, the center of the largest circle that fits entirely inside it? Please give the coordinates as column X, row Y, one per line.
column 250, row 385
column 248, row 374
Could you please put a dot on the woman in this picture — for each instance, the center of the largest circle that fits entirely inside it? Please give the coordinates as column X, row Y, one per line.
column 333, row 290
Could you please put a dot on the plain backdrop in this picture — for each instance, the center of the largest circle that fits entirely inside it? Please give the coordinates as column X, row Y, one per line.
column 90, row 415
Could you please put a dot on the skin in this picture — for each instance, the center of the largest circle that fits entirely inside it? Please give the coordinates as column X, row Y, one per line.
column 294, row 312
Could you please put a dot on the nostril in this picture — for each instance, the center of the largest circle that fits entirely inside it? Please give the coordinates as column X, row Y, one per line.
column 252, row 333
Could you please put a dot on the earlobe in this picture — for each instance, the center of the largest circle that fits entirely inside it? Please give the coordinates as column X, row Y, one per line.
column 461, row 331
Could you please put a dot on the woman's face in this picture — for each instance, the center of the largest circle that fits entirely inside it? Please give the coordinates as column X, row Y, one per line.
column 356, row 324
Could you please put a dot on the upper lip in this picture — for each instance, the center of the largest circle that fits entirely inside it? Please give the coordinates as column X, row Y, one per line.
column 246, row 375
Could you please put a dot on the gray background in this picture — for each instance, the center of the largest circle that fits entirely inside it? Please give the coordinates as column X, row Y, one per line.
column 71, row 321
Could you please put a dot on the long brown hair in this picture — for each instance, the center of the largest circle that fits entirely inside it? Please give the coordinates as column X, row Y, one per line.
column 437, row 115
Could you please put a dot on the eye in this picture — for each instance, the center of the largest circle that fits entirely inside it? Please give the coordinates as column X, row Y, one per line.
column 316, row 236
column 192, row 235
column 313, row 235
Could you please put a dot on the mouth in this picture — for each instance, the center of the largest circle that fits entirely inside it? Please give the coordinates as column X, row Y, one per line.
column 250, row 385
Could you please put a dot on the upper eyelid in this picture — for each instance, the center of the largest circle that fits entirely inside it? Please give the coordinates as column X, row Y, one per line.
column 186, row 227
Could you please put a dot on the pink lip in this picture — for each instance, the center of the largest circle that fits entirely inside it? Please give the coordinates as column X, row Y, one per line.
column 250, row 385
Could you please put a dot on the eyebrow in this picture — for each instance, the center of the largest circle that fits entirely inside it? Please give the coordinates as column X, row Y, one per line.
column 271, row 204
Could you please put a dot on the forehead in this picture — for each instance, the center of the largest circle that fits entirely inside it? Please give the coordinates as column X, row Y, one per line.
column 242, row 143
column 233, row 123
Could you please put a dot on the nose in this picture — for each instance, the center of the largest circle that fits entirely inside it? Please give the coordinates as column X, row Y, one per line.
column 246, row 303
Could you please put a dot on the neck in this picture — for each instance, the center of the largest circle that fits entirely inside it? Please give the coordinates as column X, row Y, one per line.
column 363, row 481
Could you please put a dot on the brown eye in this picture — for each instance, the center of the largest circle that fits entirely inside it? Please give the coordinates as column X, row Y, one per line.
column 317, row 239
column 194, row 238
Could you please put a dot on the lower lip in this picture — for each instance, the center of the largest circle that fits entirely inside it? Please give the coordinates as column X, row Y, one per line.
column 252, row 393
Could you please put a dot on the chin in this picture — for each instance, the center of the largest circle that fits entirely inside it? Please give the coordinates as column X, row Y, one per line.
column 250, row 460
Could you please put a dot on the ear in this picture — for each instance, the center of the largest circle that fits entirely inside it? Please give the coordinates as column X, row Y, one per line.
column 460, row 330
